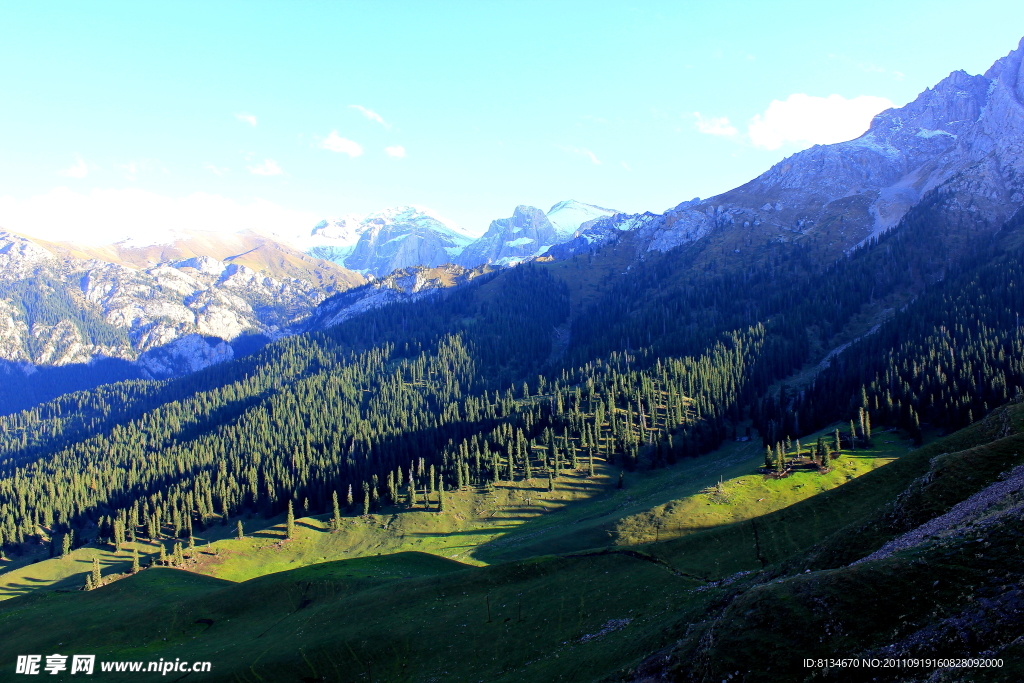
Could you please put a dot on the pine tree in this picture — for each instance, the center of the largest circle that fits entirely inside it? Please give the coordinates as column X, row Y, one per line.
column 179, row 559
column 88, row 582
column 837, row 445
column 191, row 545
column 440, row 500
column 135, row 560
column 65, row 544
column 163, row 553
column 289, row 529
column 366, row 498
column 240, row 531
column 769, row 457
column 336, row 514
column 97, row 579
column 853, row 436
column 349, row 500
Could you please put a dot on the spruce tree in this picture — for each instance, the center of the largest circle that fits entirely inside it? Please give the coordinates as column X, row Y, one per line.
column 366, row 498
column 179, row 559
column 837, row 445
column 239, row 531
column 336, row 512
column 97, row 579
column 853, row 436
column 65, row 544
column 118, row 534
column 289, row 529
column 769, row 457
column 349, row 500
column 135, row 560
column 88, row 582
column 163, row 553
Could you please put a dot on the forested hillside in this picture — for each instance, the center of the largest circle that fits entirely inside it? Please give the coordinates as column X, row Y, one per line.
column 516, row 376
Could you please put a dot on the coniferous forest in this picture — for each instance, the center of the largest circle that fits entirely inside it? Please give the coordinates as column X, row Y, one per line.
column 502, row 380
column 553, row 374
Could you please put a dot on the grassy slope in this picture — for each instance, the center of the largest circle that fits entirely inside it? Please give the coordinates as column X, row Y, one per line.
column 516, row 521
column 953, row 596
column 412, row 628
column 346, row 621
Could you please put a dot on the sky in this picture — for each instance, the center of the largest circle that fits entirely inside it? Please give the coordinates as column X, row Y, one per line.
column 125, row 119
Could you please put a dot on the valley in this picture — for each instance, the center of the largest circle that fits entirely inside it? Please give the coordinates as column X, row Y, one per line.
column 778, row 424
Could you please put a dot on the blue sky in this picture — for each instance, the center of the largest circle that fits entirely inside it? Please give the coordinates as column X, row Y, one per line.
column 115, row 117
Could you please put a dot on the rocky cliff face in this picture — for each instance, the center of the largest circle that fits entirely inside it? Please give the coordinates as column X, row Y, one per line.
column 388, row 240
column 408, row 284
column 171, row 317
column 530, row 233
column 965, row 135
column 409, row 237
column 527, row 233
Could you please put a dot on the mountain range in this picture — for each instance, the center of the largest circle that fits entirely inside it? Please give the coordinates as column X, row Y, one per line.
column 734, row 441
column 407, row 237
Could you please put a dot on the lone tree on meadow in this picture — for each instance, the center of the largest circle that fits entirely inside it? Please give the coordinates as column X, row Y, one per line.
column 289, row 529
column 336, row 516
column 240, row 530
column 97, row 578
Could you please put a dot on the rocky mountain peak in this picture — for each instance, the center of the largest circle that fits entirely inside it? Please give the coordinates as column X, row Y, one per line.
column 525, row 234
column 846, row 192
column 568, row 216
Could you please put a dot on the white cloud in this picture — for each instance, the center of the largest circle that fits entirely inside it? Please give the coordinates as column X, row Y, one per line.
column 79, row 169
column 106, row 216
column 804, row 120
column 370, row 114
column 397, row 151
column 336, row 143
column 582, row 151
column 130, row 169
column 247, row 118
column 268, row 167
column 216, row 169
column 715, row 125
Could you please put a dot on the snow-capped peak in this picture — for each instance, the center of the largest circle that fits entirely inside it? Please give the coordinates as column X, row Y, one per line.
column 568, row 216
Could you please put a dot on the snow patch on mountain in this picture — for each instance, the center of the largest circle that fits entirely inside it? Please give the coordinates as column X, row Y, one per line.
column 567, row 217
